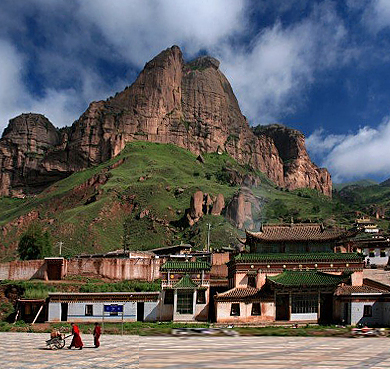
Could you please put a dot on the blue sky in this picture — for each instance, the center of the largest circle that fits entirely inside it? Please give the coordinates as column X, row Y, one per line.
column 322, row 67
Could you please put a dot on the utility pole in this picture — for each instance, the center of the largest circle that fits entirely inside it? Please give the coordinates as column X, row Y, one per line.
column 208, row 237
column 60, row 243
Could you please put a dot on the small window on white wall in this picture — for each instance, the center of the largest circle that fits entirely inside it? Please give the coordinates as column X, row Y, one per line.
column 256, row 308
column 235, row 309
column 88, row 310
column 367, row 311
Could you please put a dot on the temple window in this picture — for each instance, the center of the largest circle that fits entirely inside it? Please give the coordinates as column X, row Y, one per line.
column 235, row 309
column 304, row 304
column 185, row 302
column 372, row 253
column 168, row 297
column 251, row 281
column 201, row 297
column 256, row 308
column 367, row 311
column 88, row 310
column 383, row 254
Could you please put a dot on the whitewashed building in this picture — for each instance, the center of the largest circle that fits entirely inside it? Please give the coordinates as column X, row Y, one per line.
column 104, row 306
column 363, row 305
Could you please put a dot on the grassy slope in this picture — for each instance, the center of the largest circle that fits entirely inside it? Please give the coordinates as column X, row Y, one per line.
column 99, row 226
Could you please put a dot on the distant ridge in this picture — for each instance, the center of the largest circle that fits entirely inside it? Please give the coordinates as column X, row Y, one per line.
column 360, row 183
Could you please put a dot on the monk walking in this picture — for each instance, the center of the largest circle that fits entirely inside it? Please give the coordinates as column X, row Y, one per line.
column 76, row 341
column 96, row 335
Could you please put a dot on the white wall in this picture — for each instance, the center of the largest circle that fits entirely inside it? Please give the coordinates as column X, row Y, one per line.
column 54, row 314
column 377, row 259
column 303, row 317
column 357, row 309
column 151, row 311
column 76, row 311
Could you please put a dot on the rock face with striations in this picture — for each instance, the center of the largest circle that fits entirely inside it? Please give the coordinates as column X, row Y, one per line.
column 24, row 147
column 298, row 169
column 191, row 105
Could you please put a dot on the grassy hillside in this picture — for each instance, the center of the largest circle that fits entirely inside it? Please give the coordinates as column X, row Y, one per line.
column 159, row 178
column 142, row 203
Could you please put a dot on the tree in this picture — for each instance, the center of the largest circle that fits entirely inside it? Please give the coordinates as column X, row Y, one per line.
column 34, row 243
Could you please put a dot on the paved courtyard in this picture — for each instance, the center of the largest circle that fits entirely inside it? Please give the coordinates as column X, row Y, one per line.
column 27, row 350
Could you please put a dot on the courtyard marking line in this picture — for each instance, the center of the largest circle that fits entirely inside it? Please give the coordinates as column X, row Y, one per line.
column 27, row 350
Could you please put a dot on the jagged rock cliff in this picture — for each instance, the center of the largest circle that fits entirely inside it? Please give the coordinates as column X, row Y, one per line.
column 191, row 105
column 25, row 148
column 298, row 169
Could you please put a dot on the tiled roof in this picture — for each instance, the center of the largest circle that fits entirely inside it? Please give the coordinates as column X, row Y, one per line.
column 296, row 232
column 185, row 283
column 238, row 294
column 348, row 290
column 306, row 257
column 185, row 265
column 293, row 278
column 102, row 296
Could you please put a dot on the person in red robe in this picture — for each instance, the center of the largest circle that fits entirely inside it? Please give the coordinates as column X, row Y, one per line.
column 96, row 335
column 76, row 341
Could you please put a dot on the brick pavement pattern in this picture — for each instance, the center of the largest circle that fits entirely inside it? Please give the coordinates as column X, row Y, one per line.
column 27, row 350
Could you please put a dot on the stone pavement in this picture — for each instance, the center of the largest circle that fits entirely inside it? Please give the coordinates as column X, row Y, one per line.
column 27, row 350
column 265, row 352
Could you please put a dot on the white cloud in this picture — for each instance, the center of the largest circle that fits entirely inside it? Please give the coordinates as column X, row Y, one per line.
column 140, row 29
column 318, row 143
column 375, row 14
column 283, row 62
column 355, row 155
column 11, row 87
column 62, row 106
column 70, row 45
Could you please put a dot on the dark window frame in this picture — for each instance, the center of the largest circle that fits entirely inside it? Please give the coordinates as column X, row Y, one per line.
column 256, row 309
column 89, row 310
column 304, row 304
column 235, row 309
column 252, row 281
column 367, row 311
column 201, row 297
column 185, row 300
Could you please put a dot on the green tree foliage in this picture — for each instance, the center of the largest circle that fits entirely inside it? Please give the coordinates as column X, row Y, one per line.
column 279, row 210
column 34, row 243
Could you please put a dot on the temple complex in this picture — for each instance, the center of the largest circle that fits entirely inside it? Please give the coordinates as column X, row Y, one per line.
column 290, row 274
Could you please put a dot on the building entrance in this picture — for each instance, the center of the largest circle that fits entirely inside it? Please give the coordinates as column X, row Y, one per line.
column 282, row 307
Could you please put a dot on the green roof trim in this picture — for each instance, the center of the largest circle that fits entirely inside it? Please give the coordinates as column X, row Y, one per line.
column 293, row 278
column 185, row 265
column 304, row 257
column 186, row 283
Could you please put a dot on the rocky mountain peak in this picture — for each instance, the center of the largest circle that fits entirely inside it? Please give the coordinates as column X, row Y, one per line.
column 204, row 62
column 29, row 127
column 190, row 105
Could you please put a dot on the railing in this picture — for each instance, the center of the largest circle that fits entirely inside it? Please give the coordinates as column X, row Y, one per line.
column 169, row 284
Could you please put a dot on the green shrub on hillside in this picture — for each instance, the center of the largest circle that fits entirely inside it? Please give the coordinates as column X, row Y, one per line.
column 34, row 243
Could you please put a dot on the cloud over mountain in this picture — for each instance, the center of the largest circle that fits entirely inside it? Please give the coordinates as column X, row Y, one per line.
column 361, row 154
